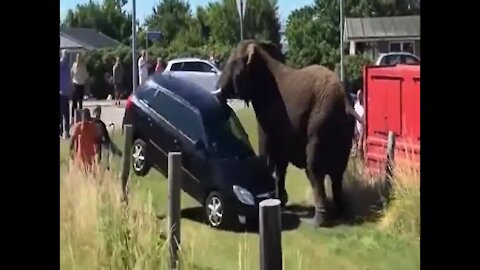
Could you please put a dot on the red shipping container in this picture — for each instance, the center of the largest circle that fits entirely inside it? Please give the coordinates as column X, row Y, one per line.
column 392, row 103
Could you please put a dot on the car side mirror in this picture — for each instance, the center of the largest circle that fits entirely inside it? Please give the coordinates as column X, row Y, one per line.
column 213, row 70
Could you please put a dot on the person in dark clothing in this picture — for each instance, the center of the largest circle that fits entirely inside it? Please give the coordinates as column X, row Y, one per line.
column 65, row 94
column 103, row 138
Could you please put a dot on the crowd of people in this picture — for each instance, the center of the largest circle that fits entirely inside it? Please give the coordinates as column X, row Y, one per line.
column 89, row 134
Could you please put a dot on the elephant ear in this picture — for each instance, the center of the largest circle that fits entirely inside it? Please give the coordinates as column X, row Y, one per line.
column 250, row 52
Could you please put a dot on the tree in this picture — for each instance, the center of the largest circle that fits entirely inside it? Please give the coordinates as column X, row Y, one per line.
column 261, row 21
column 107, row 17
column 313, row 32
column 170, row 17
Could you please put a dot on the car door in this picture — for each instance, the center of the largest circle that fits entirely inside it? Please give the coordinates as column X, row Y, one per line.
column 161, row 131
column 191, row 143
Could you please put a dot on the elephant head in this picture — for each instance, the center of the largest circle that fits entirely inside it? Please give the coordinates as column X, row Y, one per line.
column 246, row 68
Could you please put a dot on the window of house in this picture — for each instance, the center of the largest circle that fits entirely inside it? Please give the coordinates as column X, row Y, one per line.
column 402, row 47
column 395, row 47
column 407, row 47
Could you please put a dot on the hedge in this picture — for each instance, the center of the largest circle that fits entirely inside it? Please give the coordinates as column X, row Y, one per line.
column 100, row 62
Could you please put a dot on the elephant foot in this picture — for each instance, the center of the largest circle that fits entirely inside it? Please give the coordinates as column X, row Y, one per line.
column 321, row 219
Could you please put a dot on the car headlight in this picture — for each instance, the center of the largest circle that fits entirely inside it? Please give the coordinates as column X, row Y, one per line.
column 243, row 195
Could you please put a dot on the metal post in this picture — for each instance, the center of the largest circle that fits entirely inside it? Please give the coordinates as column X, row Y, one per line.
column 241, row 20
column 270, row 235
column 173, row 223
column 341, row 41
column 134, row 43
column 146, row 40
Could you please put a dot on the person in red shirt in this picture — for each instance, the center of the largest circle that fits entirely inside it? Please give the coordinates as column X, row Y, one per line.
column 159, row 66
column 84, row 141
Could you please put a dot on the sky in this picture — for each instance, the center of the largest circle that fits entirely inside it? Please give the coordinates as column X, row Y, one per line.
column 144, row 7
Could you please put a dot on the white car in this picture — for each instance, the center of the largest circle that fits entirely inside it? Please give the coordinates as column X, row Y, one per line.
column 393, row 58
column 199, row 71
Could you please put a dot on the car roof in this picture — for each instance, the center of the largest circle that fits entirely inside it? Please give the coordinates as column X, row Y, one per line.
column 186, row 59
column 193, row 95
column 398, row 53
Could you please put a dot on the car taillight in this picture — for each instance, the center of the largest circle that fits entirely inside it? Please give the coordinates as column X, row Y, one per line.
column 129, row 103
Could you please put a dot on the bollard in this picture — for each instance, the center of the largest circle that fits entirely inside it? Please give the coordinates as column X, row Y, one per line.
column 270, row 235
column 173, row 223
column 127, row 155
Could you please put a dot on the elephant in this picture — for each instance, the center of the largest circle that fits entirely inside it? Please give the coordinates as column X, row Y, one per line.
column 304, row 118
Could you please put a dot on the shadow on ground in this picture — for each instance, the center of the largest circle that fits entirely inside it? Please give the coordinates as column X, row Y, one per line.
column 290, row 221
column 365, row 201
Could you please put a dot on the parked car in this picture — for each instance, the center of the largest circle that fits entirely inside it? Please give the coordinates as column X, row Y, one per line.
column 394, row 58
column 196, row 70
column 220, row 169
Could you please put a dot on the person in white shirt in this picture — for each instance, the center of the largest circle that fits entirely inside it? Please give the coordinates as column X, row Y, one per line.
column 359, row 127
column 80, row 78
column 142, row 68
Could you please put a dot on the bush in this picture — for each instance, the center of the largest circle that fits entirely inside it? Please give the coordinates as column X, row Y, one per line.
column 354, row 70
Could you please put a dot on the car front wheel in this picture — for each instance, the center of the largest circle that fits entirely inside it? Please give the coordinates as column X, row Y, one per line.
column 217, row 214
column 139, row 162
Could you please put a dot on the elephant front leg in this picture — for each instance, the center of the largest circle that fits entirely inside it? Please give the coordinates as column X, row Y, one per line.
column 279, row 174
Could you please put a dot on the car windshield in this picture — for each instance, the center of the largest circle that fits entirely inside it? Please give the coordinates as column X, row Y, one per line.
column 227, row 138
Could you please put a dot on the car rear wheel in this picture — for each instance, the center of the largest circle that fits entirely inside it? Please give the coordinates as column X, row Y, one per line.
column 217, row 214
column 139, row 162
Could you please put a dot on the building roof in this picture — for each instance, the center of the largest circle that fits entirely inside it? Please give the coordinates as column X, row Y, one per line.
column 382, row 28
column 66, row 43
column 88, row 38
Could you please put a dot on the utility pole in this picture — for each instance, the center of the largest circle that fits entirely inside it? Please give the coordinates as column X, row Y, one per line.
column 134, row 46
column 341, row 41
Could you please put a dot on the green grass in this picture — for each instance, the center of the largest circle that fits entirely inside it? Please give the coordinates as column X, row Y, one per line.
column 365, row 246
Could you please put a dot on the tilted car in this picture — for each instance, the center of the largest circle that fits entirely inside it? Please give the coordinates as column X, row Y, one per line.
column 220, row 168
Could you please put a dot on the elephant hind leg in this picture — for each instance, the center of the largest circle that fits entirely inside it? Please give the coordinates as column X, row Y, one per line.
column 316, row 172
column 337, row 194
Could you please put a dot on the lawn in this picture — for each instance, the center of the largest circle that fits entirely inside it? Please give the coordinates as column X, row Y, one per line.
column 361, row 246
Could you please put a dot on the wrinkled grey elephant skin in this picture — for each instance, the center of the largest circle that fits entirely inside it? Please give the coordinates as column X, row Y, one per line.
column 303, row 116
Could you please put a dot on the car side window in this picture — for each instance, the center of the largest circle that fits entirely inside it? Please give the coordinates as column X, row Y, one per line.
column 147, row 94
column 411, row 60
column 196, row 66
column 176, row 67
column 179, row 115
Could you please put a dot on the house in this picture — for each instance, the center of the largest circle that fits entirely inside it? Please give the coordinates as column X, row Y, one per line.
column 78, row 40
column 84, row 39
column 383, row 34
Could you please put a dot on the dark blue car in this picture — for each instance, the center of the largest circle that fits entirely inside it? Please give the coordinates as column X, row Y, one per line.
column 220, row 168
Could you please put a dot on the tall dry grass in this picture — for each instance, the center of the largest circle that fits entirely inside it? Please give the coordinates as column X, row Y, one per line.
column 98, row 231
column 396, row 208
column 402, row 215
